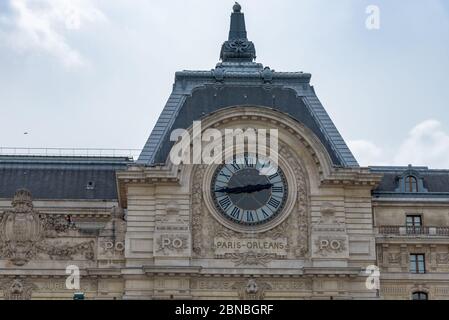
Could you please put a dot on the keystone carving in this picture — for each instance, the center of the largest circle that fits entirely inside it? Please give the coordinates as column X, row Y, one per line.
column 251, row 290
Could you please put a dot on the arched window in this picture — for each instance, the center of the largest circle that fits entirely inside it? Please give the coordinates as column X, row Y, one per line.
column 419, row 295
column 411, row 184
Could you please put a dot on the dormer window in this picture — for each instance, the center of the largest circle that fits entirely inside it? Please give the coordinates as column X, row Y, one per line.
column 411, row 181
column 411, row 184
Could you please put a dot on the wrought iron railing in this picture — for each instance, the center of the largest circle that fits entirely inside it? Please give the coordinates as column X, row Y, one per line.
column 70, row 152
column 407, row 231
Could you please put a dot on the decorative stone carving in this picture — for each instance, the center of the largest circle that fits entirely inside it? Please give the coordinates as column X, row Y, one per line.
column 329, row 238
column 421, row 287
column 205, row 229
column 67, row 251
column 169, row 243
column 197, row 211
column 301, row 218
column 326, row 246
column 328, row 221
column 54, row 225
column 111, row 241
column 20, row 230
column 442, row 258
column 251, row 258
column 17, row 289
column 23, row 233
column 251, row 290
column 172, row 234
column 394, row 258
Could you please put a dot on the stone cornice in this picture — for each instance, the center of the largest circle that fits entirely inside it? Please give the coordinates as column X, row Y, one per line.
column 139, row 174
column 352, row 177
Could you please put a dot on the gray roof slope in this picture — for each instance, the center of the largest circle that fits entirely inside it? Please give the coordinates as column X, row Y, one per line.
column 61, row 177
column 238, row 81
column 197, row 94
column 435, row 181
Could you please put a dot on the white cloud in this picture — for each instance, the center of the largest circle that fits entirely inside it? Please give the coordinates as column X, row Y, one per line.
column 426, row 144
column 367, row 153
column 40, row 26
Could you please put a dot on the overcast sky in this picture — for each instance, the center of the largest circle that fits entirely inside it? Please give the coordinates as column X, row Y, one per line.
column 80, row 73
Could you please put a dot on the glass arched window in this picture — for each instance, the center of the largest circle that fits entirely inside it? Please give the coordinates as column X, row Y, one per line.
column 419, row 295
column 411, row 184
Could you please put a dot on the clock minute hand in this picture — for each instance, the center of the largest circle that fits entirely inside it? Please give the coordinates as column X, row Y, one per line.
column 258, row 187
column 245, row 189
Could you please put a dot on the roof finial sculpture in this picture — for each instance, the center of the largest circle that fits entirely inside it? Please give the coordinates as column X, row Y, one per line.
column 238, row 48
column 237, row 7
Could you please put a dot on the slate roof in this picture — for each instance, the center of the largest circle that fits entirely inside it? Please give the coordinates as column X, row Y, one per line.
column 239, row 82
column 61, row 178
column 436, row 182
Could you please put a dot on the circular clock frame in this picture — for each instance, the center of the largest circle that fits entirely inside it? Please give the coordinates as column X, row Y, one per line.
column 256, row 228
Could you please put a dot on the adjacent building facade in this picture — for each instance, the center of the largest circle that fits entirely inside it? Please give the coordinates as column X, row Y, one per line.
column 321, row 227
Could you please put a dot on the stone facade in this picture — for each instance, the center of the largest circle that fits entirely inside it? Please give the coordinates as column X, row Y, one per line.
column 149, row 229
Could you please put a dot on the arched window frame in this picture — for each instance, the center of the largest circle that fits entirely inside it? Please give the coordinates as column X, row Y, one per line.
column 411, row 183
column 406, row 182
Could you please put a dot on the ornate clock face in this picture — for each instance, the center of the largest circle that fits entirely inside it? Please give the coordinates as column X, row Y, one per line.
column 245, row 196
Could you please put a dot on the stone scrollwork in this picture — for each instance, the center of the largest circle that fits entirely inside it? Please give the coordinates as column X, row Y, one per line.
column 251, row 258
column 24, row 232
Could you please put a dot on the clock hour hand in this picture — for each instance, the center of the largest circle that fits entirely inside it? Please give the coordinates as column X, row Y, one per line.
column 246, row 189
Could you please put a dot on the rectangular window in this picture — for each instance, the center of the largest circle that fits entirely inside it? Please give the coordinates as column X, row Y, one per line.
column 417, row 263
column 414, row 224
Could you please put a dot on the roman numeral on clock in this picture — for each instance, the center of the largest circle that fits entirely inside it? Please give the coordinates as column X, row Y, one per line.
column 274, row 203
column 227, row 176
column 265, row 214
column 249, row 216
column 249, row 162
column 235, row 166
column 273, row 176
column 277, row 189
column 225, row 203
column 235, row 213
